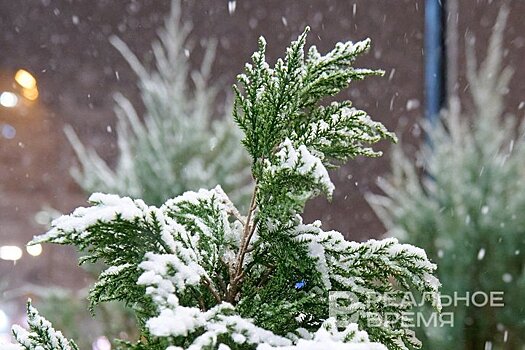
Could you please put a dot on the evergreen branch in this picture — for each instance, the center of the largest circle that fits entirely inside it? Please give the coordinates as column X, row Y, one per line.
column 290, row 137
column 41, row 334
column 368, row 270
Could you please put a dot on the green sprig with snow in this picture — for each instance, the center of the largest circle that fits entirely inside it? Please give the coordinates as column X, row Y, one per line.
column 41, row 334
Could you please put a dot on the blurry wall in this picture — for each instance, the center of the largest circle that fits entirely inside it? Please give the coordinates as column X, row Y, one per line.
column 64, row 43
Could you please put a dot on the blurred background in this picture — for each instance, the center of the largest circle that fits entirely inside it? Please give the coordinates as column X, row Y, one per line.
column 58, row 68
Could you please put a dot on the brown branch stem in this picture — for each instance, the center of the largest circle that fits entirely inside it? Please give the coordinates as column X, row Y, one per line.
column 247, row 234
column 209, row 285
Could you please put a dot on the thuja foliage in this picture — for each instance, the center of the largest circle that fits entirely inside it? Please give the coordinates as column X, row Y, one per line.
column 200, row 275
column 466, row 210
column 68, row 311
column 180, row 143
column 41, row 334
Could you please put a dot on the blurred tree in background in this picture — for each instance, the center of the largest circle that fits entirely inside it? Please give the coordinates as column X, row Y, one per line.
column 463, row 202
column 180, row 145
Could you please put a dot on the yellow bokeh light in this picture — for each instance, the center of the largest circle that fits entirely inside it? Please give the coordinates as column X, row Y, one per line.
column 25, row 79
column 34, row 250
column 30, row 94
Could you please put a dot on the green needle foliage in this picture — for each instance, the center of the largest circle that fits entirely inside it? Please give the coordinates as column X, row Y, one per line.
column 467, row 209
column 200, row 275
column 41, row 335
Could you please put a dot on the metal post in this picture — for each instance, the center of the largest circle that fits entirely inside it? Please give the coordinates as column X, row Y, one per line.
column 433, row 59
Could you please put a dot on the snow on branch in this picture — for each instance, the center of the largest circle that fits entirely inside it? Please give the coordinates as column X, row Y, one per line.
column 41, row 334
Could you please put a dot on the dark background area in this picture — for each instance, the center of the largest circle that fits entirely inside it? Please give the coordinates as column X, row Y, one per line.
column 64, row 44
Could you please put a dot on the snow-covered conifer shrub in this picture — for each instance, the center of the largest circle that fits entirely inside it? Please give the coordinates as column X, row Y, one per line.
column 201, row 275
column 467, row 209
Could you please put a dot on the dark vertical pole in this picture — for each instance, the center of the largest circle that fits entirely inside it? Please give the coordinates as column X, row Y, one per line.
column 433, row 58
column 451, row 19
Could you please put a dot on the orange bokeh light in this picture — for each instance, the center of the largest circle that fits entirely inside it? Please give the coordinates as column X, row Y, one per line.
column 25, row 79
